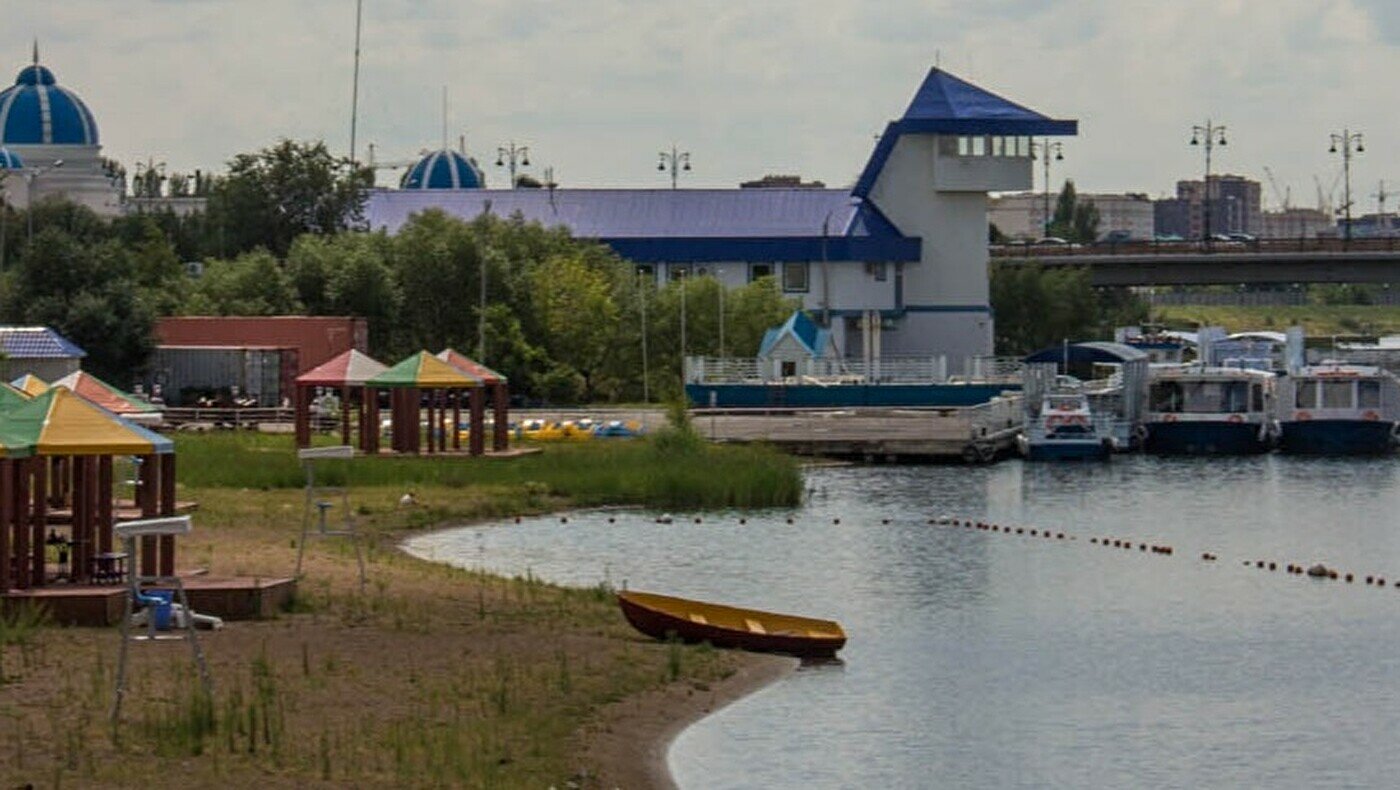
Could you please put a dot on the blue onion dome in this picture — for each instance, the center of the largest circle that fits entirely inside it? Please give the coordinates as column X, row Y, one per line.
column 445, row 169
column 36, row 110
column 9, row 160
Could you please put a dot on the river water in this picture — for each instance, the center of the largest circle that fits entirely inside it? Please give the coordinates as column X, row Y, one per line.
column 980, row 659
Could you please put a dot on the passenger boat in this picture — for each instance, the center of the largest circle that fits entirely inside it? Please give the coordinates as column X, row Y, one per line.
column 1200, row 410
column 1064, row 429
column 662, row 616
column 1338, row 409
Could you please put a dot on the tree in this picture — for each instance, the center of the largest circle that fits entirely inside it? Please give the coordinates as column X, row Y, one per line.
column 577, row 310
column 251, row 284
column 1074, row 220
column 1036, row 307
column 270, row 197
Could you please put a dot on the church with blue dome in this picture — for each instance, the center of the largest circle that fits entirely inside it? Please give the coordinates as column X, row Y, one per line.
column 50, row 144
column 444, row 169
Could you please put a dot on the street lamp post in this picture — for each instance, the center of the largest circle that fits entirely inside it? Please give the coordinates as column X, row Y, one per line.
column 511, row 154
column 719, row 280
column 675, row 161
column 642, row 288
column 29, row 178
column 1351, row 143
column 682, row 277
column 1045, row 149
column 1213, row 135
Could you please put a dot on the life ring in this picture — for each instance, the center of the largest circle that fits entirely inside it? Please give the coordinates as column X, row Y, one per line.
column 1303, row 416
column 1235, row 418
column 1140, row 432
column 1169, row 418
column 1370, row 415
column 1064, row 407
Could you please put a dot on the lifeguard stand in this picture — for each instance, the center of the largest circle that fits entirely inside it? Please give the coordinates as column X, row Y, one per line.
column 320, row 500
column 137, row 599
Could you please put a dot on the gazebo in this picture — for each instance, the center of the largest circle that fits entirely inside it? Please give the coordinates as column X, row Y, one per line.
column 496, row 385
column 348, row 373
column 421, row 380
column 60, row 432
column 122, row 404
column 30, row 384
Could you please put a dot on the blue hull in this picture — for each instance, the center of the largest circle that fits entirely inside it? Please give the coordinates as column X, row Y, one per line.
column 1203, row 438
column 1067, row 451
column 1337, row 437
column 778, row 396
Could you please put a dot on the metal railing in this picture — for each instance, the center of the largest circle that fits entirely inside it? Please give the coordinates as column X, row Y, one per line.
column 830, row 372
column 1034, row 250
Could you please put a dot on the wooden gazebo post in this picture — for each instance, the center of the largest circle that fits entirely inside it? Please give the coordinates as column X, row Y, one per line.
column 23, row 469
column 478, row 418
column 166, row 507
column 301, row 413
column 39, row 517
column 500, row 433
column 7, row 519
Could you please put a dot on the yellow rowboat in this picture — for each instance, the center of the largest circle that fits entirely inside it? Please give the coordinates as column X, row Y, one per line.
column 662, row 616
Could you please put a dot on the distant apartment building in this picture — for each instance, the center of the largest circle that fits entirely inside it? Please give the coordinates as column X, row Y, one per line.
column 1021, row 215
column 1371, row 226
column 772, row 181
column 1235, row 207
column 1296, row 223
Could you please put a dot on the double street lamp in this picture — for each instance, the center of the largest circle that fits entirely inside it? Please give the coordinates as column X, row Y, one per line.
column 513, row 155
column 1350, row 143
column 1212, row 135
column 675, row 161
column 1044, row 149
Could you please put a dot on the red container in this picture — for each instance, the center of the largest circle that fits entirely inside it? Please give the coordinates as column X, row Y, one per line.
column 316, row 339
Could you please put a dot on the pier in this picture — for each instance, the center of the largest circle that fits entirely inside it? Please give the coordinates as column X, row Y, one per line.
column 975, row 434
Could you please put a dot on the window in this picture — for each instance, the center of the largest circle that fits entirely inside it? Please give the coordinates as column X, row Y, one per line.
column 795, row 277
column 1306, row 394
column 948, row 146
column 1336, row 394
column 1368, row 394
column 877, row 270
column 678, row 272
column 789, row 369
column 979, row 146
column 1256, row 394
column 646, row 271
column 964, row 146
column 758, row 271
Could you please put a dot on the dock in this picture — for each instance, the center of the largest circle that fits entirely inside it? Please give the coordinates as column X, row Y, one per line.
column 972, row 434
column 233, row 598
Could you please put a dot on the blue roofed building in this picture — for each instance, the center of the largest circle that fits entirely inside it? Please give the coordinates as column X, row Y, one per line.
column 444, row 169
column 37, row 350
column 895, row 265
column 53, row 136
column 797, row 339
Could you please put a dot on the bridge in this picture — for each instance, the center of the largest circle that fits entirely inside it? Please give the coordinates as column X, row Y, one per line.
column 1276, row 261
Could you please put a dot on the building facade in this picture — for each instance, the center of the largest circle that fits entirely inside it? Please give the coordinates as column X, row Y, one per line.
column 1021, row 215
column 908, row 241
column 1296, row 223
column 1235, row 204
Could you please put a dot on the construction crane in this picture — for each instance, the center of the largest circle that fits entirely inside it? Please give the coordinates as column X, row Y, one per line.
column 1381, row 196
column 1284, row 197
column 1324, row 199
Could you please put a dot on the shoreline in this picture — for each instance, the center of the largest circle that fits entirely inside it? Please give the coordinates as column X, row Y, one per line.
column 629, row 742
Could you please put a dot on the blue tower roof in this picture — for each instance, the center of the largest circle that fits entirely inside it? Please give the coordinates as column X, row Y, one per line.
column 814, row 339
column 445, row 169
column 36, row 110
column 947, row 105
column 9, row 160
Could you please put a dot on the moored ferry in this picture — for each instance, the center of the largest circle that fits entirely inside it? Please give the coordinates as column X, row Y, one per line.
column 1200, row 410
column 1065, row 429
column 1336, row 408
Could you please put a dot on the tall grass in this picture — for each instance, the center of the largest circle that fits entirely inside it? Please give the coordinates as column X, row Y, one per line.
column 670, row 470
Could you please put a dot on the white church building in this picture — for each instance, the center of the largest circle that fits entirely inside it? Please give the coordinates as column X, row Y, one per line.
column 907, row 243
column 50, row 145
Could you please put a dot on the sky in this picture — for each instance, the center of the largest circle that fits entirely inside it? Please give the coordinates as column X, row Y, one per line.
column 596, row 88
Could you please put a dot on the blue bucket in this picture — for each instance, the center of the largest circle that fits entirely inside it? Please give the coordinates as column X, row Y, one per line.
column 162, row 610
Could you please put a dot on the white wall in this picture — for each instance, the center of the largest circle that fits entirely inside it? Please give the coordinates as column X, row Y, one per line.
column 80, row 179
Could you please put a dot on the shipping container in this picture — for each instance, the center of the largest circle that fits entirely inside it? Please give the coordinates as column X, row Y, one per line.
column 317, row 339
column 188, row 373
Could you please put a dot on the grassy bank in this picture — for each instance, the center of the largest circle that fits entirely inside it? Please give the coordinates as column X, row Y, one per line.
column 1316, row 320
column 431, row 676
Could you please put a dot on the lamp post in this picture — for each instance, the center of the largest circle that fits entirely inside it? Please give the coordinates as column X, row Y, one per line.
column 29, row 178
column 642, row 288
column 719, row 280
column 676, row 161
column 1213, row 135
column 681, row 275
column 1045, row 149
column 1351, row 143
column 512, row 155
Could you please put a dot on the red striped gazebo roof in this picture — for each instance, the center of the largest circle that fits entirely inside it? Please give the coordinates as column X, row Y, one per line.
column 470, row 366
column 351, row 369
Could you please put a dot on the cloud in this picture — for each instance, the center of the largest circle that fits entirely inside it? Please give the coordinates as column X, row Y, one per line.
column 596, row 87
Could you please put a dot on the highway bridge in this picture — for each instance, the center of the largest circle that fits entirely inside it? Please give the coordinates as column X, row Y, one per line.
column 1282, row 261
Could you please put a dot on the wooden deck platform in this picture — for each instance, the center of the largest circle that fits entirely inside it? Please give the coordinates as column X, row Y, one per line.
column 237, row 598
column 123, row 511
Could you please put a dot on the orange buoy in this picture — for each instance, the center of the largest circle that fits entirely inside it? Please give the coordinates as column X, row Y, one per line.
column 517, row 519
column 1061, row 536
column 1093, row 540
column 884, row 521
column 612, row 520
column 789, row 521
column 1142, row 547
column 836, row 521
column 1349, row 578
column 743, row 521
column 563, row 519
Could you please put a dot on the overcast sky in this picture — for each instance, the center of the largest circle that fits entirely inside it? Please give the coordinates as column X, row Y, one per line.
column 597, row 87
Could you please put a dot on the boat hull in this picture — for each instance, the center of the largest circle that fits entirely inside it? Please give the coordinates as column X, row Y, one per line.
column 659, row 623
column 1066, row 450
column 1204, row 438
column 1337, row 437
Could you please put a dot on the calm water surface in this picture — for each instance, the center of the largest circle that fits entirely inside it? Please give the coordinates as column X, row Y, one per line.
column 986, row 660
